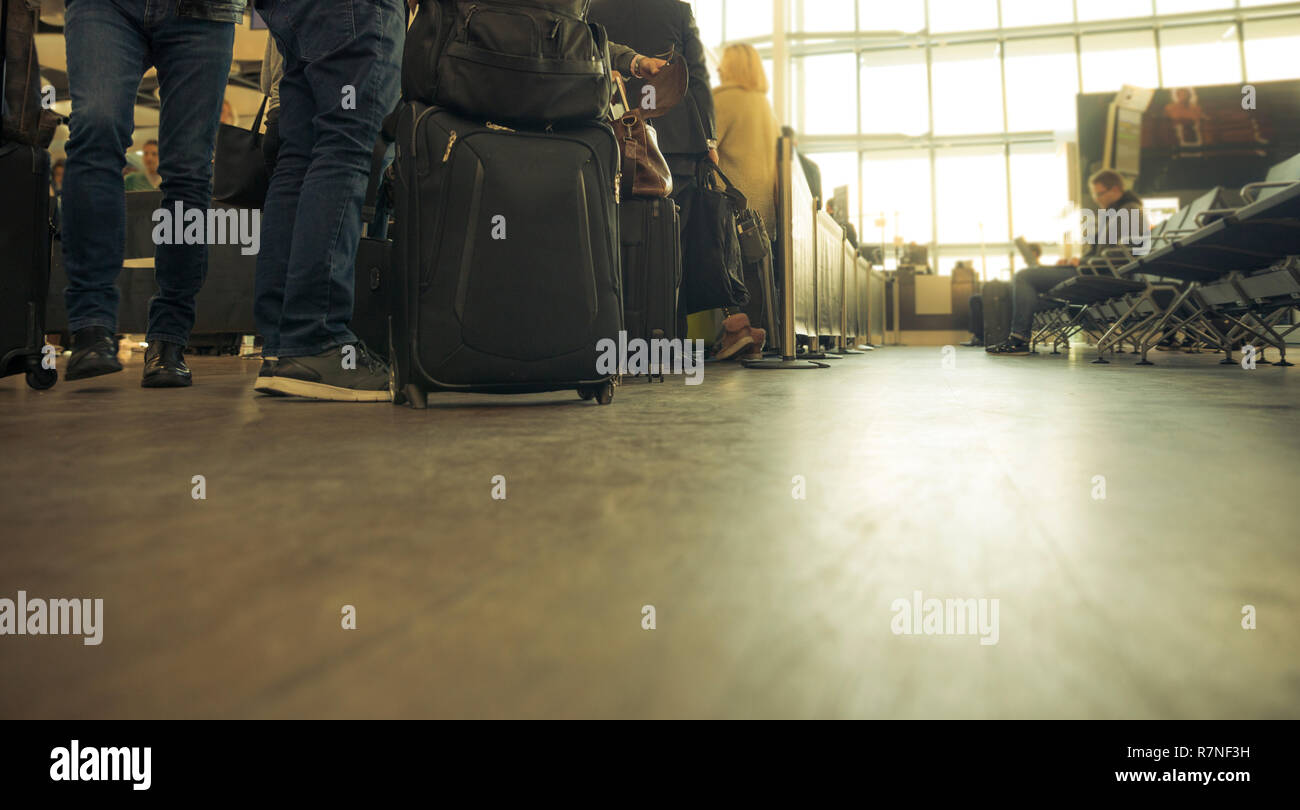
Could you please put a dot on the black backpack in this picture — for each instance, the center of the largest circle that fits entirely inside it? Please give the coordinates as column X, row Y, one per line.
column 526, row 62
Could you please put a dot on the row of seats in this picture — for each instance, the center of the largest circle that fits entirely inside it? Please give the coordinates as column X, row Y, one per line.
column 1222, row 272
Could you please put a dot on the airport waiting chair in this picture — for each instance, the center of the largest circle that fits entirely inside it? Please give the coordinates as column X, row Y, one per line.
column 1240, row 261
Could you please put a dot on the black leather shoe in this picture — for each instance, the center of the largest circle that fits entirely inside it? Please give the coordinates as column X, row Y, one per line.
column 164, row 366
column 94, row 352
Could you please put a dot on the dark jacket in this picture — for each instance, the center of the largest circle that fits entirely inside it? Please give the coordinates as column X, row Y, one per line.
column 216, row 10
column 653, row 28
column 813, row 173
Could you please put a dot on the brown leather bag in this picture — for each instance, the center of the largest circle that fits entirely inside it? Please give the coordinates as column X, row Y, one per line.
column 645, row 172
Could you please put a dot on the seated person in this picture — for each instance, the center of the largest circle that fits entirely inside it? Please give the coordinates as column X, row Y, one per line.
column 842, row 219
column 1110, row 195
column 977, row 301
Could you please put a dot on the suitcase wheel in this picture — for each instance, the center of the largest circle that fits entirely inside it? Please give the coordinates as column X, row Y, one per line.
column 42, row 378
column 603, row 393
column 415, row 397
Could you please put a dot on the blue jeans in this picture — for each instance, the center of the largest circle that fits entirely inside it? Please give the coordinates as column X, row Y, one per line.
column 1025, row 289
column 110, row 45
column 342, row 67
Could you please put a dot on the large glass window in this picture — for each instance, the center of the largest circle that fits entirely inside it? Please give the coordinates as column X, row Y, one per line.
column 963, row 15
column 1200, row 54
column 971, row 192
column 890, row 15
column 1184, row 6
column 829, row 106
column 1272, row 49
column 880, row 111
column 829, row 15
column 1040, row 187
column 894, row 91
column 747, row 19
column 1111, row 61
column 1017, row 13
column 708, row 18
column 967, row 87
column 1114, row 9
column 1042, row 80
column 896, row 188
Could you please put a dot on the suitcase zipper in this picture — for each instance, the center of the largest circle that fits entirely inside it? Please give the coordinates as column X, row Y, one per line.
column 451, row 142
column 415, row 130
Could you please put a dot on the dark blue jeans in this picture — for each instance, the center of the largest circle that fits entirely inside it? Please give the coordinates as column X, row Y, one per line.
column 110, row 45
column 1025, row 289
column 341, row 77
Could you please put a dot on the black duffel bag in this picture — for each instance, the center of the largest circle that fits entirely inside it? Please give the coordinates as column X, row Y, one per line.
column 713, row 266
column 528, row 62
column 426, row 39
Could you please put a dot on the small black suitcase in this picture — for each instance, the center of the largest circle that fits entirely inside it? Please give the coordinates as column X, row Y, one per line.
column 652, row 267
column 997, row 312
column 370, row 300
column 25, row 234
column 506, row 257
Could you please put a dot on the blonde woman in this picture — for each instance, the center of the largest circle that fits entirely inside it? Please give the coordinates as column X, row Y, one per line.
column 747, row 129
column 747, row 136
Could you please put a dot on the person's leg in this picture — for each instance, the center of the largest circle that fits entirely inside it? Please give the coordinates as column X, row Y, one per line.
column 193, row 59
column 294, row 136
column 1025, row 289
column 683, row 194
column 354, row 81
column 107, row 55
column 977, row 318
column 342, row 76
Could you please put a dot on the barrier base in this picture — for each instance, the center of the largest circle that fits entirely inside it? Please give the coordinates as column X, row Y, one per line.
column 783, row 363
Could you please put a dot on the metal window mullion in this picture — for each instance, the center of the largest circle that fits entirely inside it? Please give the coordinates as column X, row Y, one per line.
column 1241, row 40
column 934, row 169
column 1006, row 130
column 1160, row 54
column 857, row 62
column 1078, row 55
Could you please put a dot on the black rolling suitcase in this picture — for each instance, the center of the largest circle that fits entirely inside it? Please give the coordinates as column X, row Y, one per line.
column 506, row 260
column 370, row 300
column 25, row 235
column 652, row 268
column 997, row 312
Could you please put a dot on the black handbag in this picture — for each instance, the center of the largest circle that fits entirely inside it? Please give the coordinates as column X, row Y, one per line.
column 713, row 266
column 239, row 174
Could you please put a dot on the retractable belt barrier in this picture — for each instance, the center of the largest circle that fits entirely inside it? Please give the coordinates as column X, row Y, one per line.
column 827, row 290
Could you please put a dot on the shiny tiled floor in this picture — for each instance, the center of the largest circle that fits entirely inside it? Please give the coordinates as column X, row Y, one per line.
column 975, row 482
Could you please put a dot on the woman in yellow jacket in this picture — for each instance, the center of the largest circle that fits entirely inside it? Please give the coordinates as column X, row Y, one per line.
column 747, row 129
column 747, row 136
